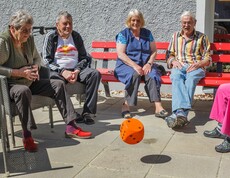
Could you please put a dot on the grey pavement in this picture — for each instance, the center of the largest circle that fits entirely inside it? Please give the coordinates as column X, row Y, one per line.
column 163, row 152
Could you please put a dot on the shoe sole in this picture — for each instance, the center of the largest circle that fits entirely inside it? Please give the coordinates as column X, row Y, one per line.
column 160, row 116
column 222, row 151
column 69, row 135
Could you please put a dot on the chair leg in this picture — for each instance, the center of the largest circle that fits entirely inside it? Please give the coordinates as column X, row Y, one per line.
column 51, row 116
column 4, row 138
column 7, row 140
column 4, row 144
column 12, row 131
column 106, row 87
column 79, row 98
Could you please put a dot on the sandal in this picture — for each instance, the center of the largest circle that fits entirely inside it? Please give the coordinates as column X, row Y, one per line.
column 162, row 114
column 126, row 114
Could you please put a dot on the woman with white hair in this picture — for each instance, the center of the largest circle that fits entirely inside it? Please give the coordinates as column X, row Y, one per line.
column 136, row 51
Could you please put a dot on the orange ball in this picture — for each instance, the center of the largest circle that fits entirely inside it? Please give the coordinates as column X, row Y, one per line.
column 131, row 131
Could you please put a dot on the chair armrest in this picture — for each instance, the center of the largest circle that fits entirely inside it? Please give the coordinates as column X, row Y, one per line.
column 5, row 94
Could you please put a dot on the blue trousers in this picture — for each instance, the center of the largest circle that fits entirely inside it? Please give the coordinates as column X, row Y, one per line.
column 183, row 86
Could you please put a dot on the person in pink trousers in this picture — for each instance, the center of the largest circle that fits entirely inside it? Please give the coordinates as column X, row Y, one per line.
column 221, row 113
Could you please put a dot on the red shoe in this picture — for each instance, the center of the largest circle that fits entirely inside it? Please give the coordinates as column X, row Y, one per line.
column 29, row 144
column 78, row 133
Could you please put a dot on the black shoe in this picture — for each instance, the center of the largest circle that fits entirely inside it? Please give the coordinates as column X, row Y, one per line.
column 79, row 119
column 88, row 119
column 126, row 114
column 213, row 134
column 224, row 147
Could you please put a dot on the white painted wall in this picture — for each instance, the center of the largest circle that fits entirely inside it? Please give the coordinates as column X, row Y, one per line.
column 205, row 17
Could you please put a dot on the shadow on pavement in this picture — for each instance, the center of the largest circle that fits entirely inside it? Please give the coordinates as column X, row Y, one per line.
column 155, row 159
column 21, row 162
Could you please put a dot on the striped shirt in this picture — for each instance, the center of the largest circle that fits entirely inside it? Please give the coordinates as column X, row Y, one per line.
column 189, row 51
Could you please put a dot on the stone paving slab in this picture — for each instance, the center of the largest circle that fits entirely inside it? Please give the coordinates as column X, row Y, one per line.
column 187, row 166
column 163, row 152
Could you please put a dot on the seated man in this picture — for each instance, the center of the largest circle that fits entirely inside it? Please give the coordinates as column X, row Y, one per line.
column 188, row 53
column 66, row 56
column 20, row 62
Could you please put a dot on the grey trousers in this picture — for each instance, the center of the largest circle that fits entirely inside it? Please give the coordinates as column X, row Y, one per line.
column 55, row 89
column 91, row 78
column 152, row 90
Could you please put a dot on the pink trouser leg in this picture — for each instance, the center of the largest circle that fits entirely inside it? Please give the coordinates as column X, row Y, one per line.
column 221, row 108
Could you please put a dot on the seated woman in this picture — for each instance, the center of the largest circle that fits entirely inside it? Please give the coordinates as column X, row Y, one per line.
column 221, row 113
column 136, row 51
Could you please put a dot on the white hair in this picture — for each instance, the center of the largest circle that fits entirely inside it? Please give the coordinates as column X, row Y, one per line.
column 20, row 18
column 132, row 13
column 63, row 13
column 188, row 13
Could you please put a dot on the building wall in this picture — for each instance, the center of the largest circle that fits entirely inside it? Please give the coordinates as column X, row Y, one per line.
column 102, row 19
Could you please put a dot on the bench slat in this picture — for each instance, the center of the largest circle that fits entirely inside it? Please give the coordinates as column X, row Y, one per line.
column 103, row 44
column 214, row 81
column 160, row 57
column 221, row 58
column 222, row 36
column 162, row 45
column 104, row 55
column 211, row 80
column 220, row 46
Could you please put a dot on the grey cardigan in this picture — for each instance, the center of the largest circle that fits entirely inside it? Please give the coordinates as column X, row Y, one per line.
column 12, row 58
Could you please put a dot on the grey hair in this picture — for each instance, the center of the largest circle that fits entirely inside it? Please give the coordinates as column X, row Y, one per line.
column 21, row 18
column 188, row 13
column 63, row 13
column 135, row 12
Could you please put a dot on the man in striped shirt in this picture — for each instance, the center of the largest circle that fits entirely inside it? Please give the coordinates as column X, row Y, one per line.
column 188, row 53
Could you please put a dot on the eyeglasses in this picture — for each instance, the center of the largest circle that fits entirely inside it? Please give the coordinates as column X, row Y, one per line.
column 25, row 30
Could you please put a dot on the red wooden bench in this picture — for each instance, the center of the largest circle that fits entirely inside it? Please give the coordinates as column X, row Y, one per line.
column 106, row 51
column 224, row 37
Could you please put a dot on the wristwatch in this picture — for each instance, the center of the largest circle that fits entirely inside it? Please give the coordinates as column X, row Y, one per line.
column 150, row 63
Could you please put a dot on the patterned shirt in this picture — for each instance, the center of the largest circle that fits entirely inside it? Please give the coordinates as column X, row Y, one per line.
column 190, row 51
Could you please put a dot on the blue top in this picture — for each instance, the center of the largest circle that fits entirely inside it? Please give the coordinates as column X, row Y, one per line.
column 137, row 50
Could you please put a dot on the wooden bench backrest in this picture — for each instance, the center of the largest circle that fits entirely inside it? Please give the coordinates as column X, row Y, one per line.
column 224, row 37
column 109, row 51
